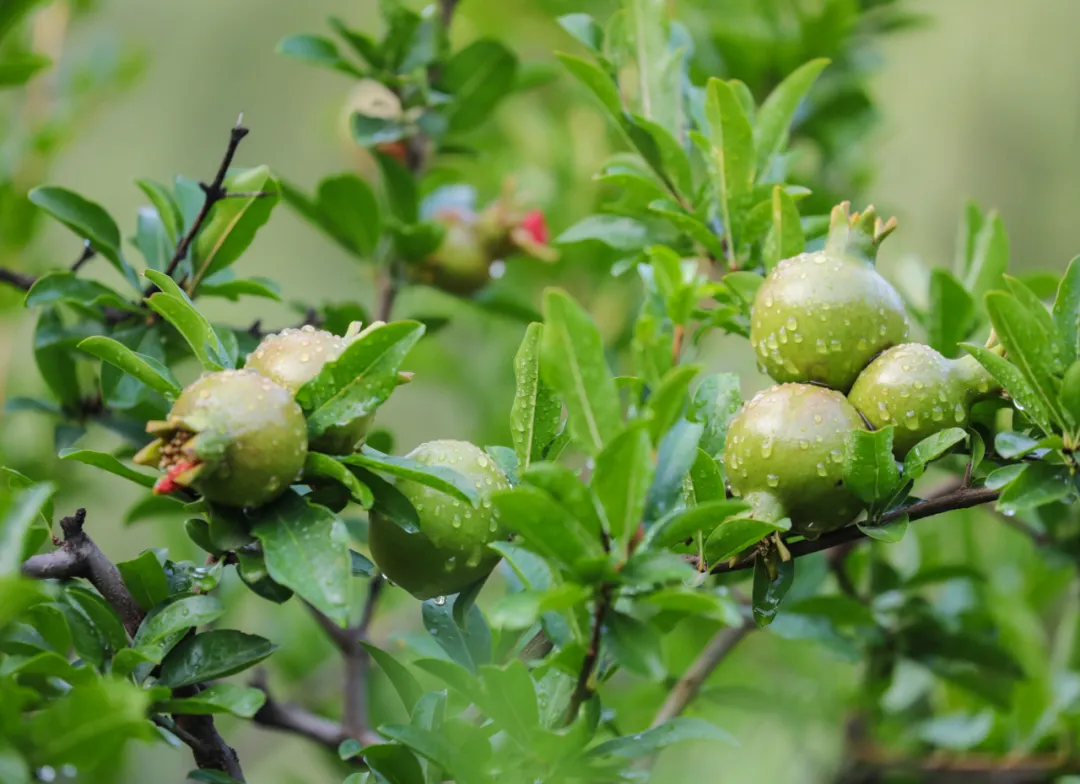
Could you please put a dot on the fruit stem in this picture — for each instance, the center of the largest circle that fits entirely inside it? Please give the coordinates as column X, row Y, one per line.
column 855, row 233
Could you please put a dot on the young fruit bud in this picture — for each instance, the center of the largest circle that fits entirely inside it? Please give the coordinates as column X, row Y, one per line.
column 822, row 316
column 293, row 357
column 461, row 263
column 235, row 436
column 449, row 552
column 920, row 392
column 784, row 454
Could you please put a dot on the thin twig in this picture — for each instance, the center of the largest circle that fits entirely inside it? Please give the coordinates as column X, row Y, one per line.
column 873, row 766
column 88, row 253
column 295, row 719
column 388, row 291
column 214, row 192
column 964, row 498
column 79, row 557
column 688, row 686
column 447, row 8
column 358, row 664
column 19, row 280
column 584, row 688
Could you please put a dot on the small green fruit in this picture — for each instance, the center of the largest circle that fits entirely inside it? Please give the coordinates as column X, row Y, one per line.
column 822, row 316
column 449, row 552
column 235, row 436
column 784, row 455
column 920, row 392
column 293, row 357
column 461, row 264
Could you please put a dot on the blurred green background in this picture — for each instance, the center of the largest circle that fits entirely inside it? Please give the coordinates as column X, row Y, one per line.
column 980, row 104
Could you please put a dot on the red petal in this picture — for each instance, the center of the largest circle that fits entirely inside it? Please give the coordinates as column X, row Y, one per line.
column 535, row 223
column 167, row 484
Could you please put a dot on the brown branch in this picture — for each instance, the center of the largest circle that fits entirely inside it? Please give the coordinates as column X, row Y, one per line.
column 688, row 686
column 388, row 291
column 88, row 253
column 873, row 766
column 292, row 718
column 447, row 8
column 584, row 688
column 18, row 280
column 79, row 557
column 214, row 193
column 964, row 498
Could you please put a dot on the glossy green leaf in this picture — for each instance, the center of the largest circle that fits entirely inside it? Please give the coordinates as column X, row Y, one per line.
column 615, row 231
column 635, row 645
column 536, row 413
column 234, row 221
column 233, row 290
column 716, row 401
column 432, row 746
column 306, row 548
column 775, row 116
column 174, row 305
column 668, row 401
column 400, row 186
column 441, row 478
column 568, row 490
column 165, row 204
column 889, row 533
column 19, row 512
column 145, row 579
column 320, row 466
column 870, row 471
column 107, row 463
column 89, row 221
column 403, row 681
column 211, row 655
column 689, row 224
column 770, row 589
column 735, row 534
column 240, row 701
column 317, row 50
column 361, row 379
column 680, row 525
column 1024, row 396
column 521, row 610
column 546, row 527
column 393, row 763
column 1066, row 312
column 624, row 471
column 64, row 286
column 951, row 315
column 676, row 456
column 145, row 368
column 1057, row 350
column 733, row 158
column 573, row 362
column 989, row 259
column 469, row 646
column 672, row 731
column 930, row 449
column 1040, row 484
column 584, row 28
column 785, row 238
column 185, row 613
column 348, row 204
column 599, row 83
column 1069, row 397
column 478, row 77
column 705, row 482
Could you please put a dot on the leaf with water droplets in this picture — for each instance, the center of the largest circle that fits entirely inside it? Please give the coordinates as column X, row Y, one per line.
column 211, row 655
column 537, row 412
column 1009, row 376
column 180, row 615
column 442, row 478
column 716, row 400
column 624, row 470
column 870, row 471
column 930, row 449
column 306, row 548
column 772, row 580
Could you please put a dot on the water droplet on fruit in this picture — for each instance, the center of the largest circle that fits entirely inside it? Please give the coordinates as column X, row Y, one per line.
column 958, row 412
column 798, row 337
column 791, row 323
column 804, row 444
column 821, row 347
column 817, row 419
column 918, row 385
column 772, row 480
column 768, row 301
column 766, row 448
column 862, row 344
column 836, row 455
column 911, row 420
column 440, row 600
column 821, row 470
column 835, row 347
column 482, row 462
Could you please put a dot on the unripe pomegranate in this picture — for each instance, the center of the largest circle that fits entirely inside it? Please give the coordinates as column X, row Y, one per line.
column 784, row 455
column 919, row 391
column 236, row 437
column 822, row 316
column 449, row 552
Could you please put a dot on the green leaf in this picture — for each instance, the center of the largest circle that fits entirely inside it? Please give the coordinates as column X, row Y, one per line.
column 566, row 489
column 889, row 533
column 785, row 238
column 1066, row 312
column 584, row 28
column 870, row 471
column 1023, row 395
column 1040, row 484
column 167, row 209
column 16, row 595
column 363, row 44
column 233, row 290
column 401, row 188
column 478, row 77
column 680, row 525
column 777, row 112
column 234, row 220
column 572, row 356
column 403, row 681
column 676, row 456
column 668, row 401
column 672, row 731
column 393, row 763
column 990, row 258
column 470, row 646
column 672, row 155
column 521, row 610
column 441, row 478
column 621, row 479
column 431, row 746
column 951, row 312
column 930, row 449
column 349, row 206
column 615, row 231
column 716, row 401
column 213, row 777
column 733, row 156
column 178, row 616
column 599, row 83
column 18, row 514
column 705, row 482
column 174, row 305
column 319, row 51
column 317, row 465
column 145, row 579
column 16, row 69
column 1069, row 398
column 1028, row 348
column 635, row 645
column 211, row 655
column 306, row 548
column 536, row 413
column 145, row 368
column 1058, row 351
column 688, row 224
column 107, row 463
column 546, row 527
column 770, row 588
column 735, row 534
column 220, row 698
column 63, row 286
column 361, row 379
column 89, row 221
column 91, row 724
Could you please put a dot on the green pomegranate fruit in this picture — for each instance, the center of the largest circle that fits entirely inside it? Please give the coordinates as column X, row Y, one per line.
column 784, row 455
column 293, row 357
column 821, row 316
column 235, row 436
column 920, row 392
column 449, row 552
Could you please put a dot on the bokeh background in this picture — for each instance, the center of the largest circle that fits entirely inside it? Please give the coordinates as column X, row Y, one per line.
column 981, row 103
